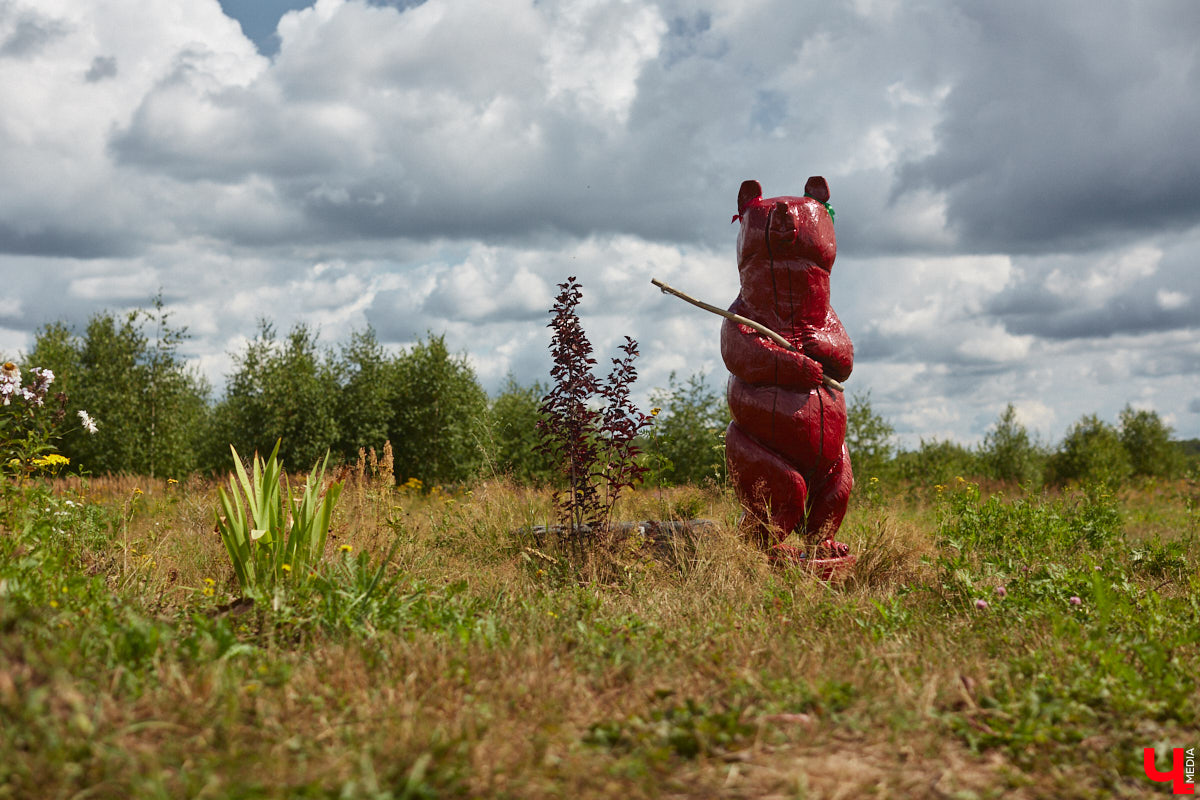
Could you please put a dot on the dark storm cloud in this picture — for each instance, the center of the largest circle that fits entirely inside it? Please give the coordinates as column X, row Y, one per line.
column 53, row 239
column 1090, row 296
column 47, row 298
column 1068, row 127
column 1131, row 313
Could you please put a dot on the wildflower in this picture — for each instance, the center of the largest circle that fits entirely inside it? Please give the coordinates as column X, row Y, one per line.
column 286, row 567
column 86, row 420
column 1075, row 600
column 940, row 488
column 171, row 481
column 1001, row 591
column 654, row 412
column 345, row 548
column 981, row 604
column 210, row 581
column 50, row 461
column 10, row 371
column 874, row 479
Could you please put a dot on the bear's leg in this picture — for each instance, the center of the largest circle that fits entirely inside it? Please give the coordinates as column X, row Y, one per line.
column 772, row 491
column 829, row 499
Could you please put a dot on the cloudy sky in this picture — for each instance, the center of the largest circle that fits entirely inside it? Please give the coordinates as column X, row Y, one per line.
column 1017, row 184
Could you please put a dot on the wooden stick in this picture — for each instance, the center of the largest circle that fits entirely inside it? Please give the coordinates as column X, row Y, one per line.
column 738, row 318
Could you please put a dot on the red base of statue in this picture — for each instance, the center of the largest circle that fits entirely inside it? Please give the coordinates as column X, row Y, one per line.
column 786, row 447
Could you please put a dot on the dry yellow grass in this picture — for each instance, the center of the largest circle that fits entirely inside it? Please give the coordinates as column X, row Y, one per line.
column 521, row 656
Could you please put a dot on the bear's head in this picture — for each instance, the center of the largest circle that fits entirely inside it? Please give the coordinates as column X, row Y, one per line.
column 798, row 230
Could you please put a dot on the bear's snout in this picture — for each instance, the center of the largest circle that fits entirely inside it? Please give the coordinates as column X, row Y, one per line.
column 783, row 221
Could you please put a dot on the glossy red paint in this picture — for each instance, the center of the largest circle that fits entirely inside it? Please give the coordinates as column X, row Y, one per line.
column 786, row 446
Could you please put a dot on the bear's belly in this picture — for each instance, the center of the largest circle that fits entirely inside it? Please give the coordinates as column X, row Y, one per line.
column 806, row 428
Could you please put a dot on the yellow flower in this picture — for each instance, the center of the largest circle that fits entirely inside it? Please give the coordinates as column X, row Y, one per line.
column 171, row 481
column 137, row 492
column 345, row 548
column 52, row 460
column 874, row 479
column 655, row 411
column 210, row 581
column 286, row 567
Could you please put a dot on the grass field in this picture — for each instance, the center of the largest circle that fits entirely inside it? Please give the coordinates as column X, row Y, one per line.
column 988, row 645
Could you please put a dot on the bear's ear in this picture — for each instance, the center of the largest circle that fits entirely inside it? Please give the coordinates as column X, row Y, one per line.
column 750, row 191
column 817, row 189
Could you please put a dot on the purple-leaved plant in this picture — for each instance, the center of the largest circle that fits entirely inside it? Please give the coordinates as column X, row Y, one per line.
column 621, row 422
column 589, row 428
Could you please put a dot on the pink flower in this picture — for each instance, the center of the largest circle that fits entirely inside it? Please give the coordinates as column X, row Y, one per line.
column 1075, row 601
column 1001, row 591
column 981, row 604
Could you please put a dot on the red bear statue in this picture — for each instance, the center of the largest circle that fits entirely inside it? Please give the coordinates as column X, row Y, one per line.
column 786, row 446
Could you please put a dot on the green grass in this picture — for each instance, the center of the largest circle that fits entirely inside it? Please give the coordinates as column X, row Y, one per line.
column 438, row 652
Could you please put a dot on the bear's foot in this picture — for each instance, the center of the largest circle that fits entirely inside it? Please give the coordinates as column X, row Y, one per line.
column 829, row 561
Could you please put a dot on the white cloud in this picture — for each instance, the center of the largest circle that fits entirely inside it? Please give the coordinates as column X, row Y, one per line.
column 1107, row 277
column 996, row 345
column 1035, row 415
column 1171, row 300
column 596, row 52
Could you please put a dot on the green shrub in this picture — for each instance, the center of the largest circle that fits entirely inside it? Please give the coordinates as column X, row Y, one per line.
column 868, row 438
column 1147, row 440
column 438, row 415
column 1008, row 453
column 151, row 406
column 687, row 439
column 936, row 462
column 514, row 438
column 280, row 391
column 1092, row 452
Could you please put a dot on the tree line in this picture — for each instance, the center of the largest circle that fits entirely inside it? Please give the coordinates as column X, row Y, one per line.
column 158, row 417
column 1139, row 445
